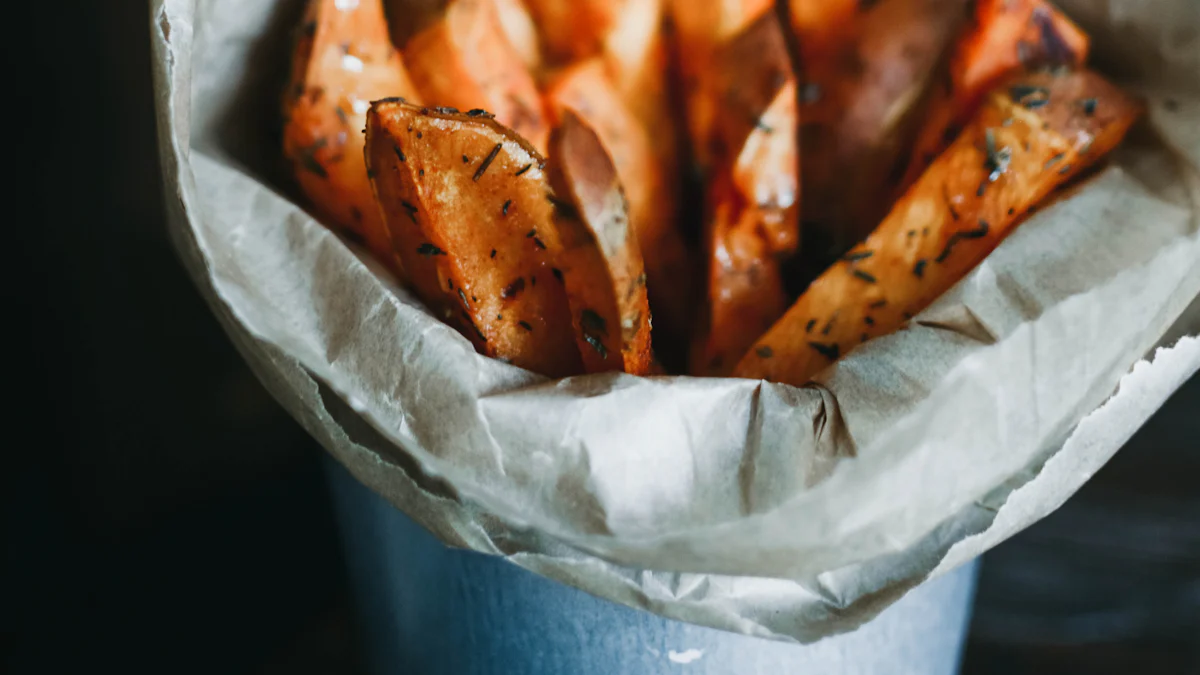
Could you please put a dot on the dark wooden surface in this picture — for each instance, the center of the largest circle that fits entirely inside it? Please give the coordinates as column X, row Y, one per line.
column 164, row 515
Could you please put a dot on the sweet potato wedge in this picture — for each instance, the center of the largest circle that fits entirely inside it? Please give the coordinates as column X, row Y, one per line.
column 600, row 261
column 701, row 28
column 1030, row 135
column 752, row 192
column 521, row 32
column 1004, row 37
column 465, row 200
column 587, row 90
column 464, row 60
column 343, row 60
column 863, row 75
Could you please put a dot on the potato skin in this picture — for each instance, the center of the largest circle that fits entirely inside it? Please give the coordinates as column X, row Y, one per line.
column 343, row 59
column 465, row 200
column 600, row 260
column 1031, row 134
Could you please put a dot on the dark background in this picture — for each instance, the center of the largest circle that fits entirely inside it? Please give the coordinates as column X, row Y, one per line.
column 163, row 514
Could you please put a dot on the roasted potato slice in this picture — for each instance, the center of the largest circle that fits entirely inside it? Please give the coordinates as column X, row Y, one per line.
column 863, row 74
column 587, row 90
column 752, row 192
column 343, row 60
column 465, row 199
column 600, row 261
column 1004, row 37
column 1030, row 135
column 464, row 60
column 521, row 32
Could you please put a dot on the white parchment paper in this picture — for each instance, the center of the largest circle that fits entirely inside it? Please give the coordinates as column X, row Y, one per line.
column 758, row 508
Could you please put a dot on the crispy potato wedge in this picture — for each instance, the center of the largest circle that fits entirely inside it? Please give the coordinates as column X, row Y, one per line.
column 465, row 200
column 1004, row 37
column 1030, row 135
column 701, row 28
column 587, row 90
column 464, row 60
column 600, row 261
column 521, row 32
column 575, row 29
column 752, row 193
column 864, row 75
column 343, row 60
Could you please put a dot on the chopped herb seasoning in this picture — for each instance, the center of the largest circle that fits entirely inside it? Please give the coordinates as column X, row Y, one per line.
column 763, row 126
column 428, row 249
column 557, row 273
column 532, row 280
column 810, row 92
column 420, row 135
column 597, row 345
column 421, row 173
column 478, row 112
column 1065, row 170
column 593, row 322
column 869, row 321
column 809, row 326
column 390, row 99
column 950, row 133
column 504, row 209
column 370, row 173
column 1024, row 94
column 447, row 110
column 830, row 352
column 1011, row 210
column 865, row 276
column 858, row 255
column 523, row 169
column 467, row 318
column 1053, row 160
column 412, row 210
column 341, row 114
column 977, row 233
column 493, row 253
column 912, row 233
column 997, row 160
column 511, row 290
column 400, row 154
column 525, row 325
column 487, row 161
column 919, row 268
column 539, row 243
column 1089, row 106
column 982, row 188
column 531, row 234
column 877, row 304
column 466, row 160
column 764, row 352
column 829, row 326
column 908, row 316
column 309, row 162
column 463, row 296
column 1087, row 147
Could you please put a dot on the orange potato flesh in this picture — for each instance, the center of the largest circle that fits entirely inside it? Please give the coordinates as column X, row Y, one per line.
column 1005, row 36
column 587, row 90
column 752, row 193
column 466, row 202
column 463, row 60
column 600, row 262
column 343, row 60
column 1030, row 135
column 521, row 32
column 863, row 77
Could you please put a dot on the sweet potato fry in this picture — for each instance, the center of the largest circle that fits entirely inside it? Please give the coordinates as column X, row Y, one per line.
column 863, row 74
column 600, row 261
column 700, row 30
column 521, row 32
column 587, row 90
column 465, row 201
column 343, row 60
column 463, row 60
column 1004, row 37
column 752, row 191
column 1030, row 135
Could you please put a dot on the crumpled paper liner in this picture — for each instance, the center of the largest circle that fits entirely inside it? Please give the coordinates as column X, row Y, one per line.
column 792, row 513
